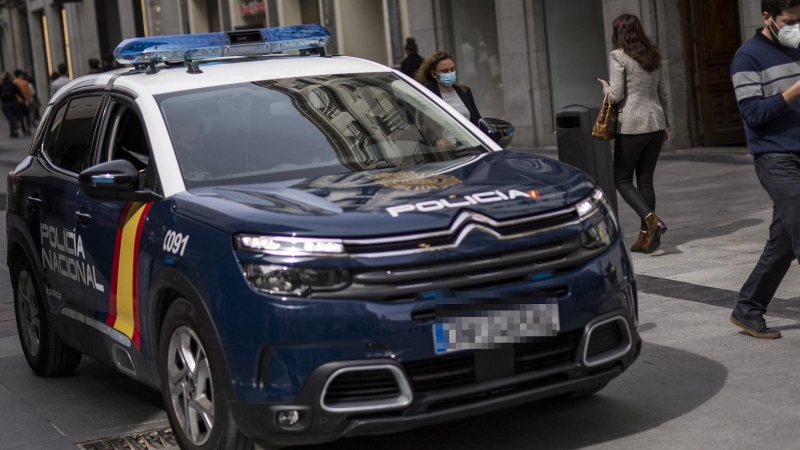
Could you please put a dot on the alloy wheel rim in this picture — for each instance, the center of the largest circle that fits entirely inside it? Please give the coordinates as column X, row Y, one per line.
column 191, row 388
column 28, row 313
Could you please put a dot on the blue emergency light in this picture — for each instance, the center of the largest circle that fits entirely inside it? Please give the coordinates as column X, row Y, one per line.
column 193, row 47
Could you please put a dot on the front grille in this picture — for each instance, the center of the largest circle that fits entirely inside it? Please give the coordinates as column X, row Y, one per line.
column 604, row 338
column 483, row 272
column 506, row 230
column 360, row 386
column 451, row 371
column 548, row 353
column 442, row 373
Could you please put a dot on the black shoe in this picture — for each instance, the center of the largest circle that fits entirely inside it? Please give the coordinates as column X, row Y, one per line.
column 755, row 326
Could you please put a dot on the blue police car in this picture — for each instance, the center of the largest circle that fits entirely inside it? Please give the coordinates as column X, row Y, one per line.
column 294, row 248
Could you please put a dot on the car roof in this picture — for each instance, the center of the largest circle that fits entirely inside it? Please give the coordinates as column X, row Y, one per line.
column 176, row 78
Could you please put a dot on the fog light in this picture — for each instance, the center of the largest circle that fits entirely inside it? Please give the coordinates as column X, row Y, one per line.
column 288, row 418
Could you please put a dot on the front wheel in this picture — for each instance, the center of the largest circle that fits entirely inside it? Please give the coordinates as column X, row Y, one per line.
column 190, row 384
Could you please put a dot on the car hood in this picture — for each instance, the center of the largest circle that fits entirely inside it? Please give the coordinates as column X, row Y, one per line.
column 500, row 185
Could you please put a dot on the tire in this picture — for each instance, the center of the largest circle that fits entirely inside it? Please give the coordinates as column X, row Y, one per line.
column 588, row 392
column 201, row 420
column 45, row 352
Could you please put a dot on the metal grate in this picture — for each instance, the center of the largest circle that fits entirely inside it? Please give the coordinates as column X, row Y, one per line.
column 547, row 353
column 442, row 373
column 360, row 386
column 605, row 338
column 162, row 439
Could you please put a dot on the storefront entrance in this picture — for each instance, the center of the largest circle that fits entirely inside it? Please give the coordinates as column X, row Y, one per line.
column 712, row 37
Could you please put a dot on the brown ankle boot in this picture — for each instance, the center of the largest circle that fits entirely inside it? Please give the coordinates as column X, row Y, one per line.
column 655, row 228
column 638, row 246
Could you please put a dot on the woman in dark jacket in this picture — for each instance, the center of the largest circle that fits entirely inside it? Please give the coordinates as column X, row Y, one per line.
column 9, row 95
column 413, row 61
column 438, row 73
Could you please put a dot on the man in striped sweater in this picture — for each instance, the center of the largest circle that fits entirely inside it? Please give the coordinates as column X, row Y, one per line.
column 766, row 76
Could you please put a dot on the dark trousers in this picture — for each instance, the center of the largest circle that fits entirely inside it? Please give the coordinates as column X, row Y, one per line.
column 779, row 173
column 637, row 154
column 10, row 111
column 25, row 117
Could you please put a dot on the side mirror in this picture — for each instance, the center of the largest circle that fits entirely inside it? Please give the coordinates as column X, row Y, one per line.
column 114, row 180
column 500, row 131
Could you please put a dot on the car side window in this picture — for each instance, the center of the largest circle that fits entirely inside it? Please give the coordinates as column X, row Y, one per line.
column 70, row 148
column 52, row 131
column 125, row 139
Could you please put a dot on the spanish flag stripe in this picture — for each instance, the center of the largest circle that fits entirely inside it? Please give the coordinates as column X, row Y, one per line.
column 137, row 336
column 126, row 260
column 112, row 298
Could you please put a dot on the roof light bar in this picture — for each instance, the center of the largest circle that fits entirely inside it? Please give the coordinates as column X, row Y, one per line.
column 192, row 47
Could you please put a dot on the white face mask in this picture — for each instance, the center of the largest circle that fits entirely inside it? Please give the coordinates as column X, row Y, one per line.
column 788, row 36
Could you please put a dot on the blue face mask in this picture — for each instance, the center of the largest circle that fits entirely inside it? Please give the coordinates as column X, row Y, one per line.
column 447, row 79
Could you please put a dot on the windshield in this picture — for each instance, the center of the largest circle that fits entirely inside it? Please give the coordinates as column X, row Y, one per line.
column 303, row 127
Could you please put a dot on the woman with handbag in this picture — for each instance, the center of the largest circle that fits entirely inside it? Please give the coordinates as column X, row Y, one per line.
column 638, row 90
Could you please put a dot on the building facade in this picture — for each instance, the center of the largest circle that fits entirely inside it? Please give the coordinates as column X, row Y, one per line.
column 525, row 59
column 38, row 35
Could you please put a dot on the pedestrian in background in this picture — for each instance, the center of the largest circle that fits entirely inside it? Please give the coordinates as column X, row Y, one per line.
column 438, row 73
column 24, row 102
column 59, row 81
column 94, row 65
column 410, row 65
column 638, row 89
column 108, row 63
column 9, row 102
column 765, row 74
column 33, row 111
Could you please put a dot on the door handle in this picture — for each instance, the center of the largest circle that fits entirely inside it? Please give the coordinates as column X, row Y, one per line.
column 34, row 201
column 83, row 217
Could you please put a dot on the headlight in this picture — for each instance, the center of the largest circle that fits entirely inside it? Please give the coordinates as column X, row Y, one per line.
column 591, row 204
column 291, row 246
column 601, row 235
column 295, row 281
column 604, row 233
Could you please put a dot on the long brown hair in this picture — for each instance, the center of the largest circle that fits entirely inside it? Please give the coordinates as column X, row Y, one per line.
column 424, row 75
column 629, row 36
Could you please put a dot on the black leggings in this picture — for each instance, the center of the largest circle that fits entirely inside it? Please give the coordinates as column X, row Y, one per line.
column 637, row 153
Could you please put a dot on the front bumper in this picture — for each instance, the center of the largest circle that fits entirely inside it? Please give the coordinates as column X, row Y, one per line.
column 318, row 424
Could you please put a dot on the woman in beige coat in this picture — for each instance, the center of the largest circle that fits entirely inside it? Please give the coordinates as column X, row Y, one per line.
column 637, row 88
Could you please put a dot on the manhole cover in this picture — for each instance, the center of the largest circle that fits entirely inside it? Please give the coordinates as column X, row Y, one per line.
column 146, row 440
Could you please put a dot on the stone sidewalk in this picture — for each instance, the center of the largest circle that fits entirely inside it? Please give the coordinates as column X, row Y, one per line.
column 718, row 216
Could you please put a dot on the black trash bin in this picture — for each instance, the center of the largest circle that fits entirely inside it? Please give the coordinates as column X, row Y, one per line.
column 578, row 148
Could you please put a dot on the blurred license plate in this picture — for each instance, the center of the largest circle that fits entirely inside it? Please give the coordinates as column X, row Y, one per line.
column 492, row 325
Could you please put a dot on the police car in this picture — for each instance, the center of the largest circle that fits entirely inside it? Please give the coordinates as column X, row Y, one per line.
column 294, row 247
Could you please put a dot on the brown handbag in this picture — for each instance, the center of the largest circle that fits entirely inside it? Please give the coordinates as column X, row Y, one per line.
column 606, row 126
